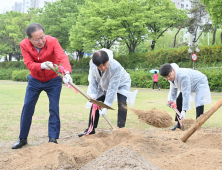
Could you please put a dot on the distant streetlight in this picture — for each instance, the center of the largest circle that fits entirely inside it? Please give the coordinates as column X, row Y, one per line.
column 192, row 49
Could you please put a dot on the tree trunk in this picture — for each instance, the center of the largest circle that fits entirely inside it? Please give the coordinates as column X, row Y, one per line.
column 10, row 57
column 80, row 54
column 214, row 35
column 132, row 49
column 153, row 45
column 221, row 37
column 175, row 38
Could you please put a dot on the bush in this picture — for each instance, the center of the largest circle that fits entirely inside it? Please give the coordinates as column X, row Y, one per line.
column 20, row 75
column 6, row 74
column 84, row 79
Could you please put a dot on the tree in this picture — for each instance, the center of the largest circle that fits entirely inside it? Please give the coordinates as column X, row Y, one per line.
column 12, row 32
column 198, row 14
column 214, row 8
column 165, row 16
column 58, row 18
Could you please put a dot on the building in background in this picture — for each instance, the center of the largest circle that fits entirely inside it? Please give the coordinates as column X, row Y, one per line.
column 17, row 7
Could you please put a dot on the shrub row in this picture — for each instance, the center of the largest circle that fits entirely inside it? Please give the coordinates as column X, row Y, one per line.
column 139, row 78
column 208, row 56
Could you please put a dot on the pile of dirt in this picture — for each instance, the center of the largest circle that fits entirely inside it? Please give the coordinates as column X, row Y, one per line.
column 154, row 117
column 122, row 149
column 120, row 158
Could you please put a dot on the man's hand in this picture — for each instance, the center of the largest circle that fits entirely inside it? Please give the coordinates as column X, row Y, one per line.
column 103, row 111
column 44, row 66
column 182, row 114
column 67, row 78
column 93, row 96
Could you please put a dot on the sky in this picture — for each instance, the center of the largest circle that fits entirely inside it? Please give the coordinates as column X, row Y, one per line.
column 7, row 3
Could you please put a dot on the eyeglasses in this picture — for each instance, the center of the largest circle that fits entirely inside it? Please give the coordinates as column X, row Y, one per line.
column 168, row 77
column 39, row 39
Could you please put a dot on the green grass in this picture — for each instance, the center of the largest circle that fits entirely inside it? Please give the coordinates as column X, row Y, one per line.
column 74, row 115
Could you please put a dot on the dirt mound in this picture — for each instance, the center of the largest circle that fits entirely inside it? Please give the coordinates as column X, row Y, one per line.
column 50, row 156
column 123, row 149
column 154, row 117
column 120, row 158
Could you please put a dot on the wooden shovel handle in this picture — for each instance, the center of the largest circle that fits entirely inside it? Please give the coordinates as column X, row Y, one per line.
column 83, row 93
column 72, row 84
column 109, row 122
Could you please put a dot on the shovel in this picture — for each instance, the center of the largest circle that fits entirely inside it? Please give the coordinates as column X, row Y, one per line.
column 100, row 104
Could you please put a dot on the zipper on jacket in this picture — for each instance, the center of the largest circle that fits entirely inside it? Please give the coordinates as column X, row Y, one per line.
column 41, row 53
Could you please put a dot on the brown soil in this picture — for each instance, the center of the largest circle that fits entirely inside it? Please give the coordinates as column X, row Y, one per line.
column 121, row 149
column 154, row 117
column 187, row 123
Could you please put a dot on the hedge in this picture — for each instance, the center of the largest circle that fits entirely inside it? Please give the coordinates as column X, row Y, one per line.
column 139, row 78
column 208, row 56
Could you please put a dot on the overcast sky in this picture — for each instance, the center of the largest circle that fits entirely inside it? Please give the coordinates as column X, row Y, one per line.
column 7, row 3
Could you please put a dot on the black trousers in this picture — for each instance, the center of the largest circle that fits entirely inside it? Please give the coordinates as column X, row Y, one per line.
column 122, row 111
column 179, row 102
column 156, row 84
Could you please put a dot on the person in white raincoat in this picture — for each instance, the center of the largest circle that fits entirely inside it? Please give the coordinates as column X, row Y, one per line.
column 191, row 85
column 108, row 79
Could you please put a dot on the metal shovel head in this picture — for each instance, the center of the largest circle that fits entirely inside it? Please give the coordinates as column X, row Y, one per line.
column 100, row 104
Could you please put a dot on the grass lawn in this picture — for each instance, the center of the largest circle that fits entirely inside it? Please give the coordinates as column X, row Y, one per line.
column 74, row 115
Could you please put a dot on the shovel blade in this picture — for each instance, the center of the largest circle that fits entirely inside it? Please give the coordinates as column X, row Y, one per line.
column 100, row 104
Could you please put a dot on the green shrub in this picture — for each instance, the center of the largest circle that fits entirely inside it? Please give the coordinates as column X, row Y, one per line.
column 20, row 75
column 6, row 74
column 84, row 79
column 76, row 78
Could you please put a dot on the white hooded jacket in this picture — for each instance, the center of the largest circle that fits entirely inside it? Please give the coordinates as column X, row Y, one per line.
column 114, row 80
column 193, row 85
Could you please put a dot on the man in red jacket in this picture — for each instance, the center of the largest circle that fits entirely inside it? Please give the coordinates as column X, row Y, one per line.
column 37, row 49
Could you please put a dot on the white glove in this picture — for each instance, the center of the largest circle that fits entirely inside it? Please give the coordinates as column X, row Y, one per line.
column 93, row 96
column 103, row 111
column 182, row 114
column 67, row 78
column 44, row 66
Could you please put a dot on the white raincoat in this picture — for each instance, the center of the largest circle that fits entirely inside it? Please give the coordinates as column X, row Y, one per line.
column 114, row 80
column 193, row 85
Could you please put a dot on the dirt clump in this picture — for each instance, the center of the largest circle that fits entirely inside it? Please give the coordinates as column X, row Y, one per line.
column 154, row 117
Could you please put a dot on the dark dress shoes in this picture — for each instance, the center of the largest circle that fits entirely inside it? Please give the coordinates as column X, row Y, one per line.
column 81, row 134
column 53, row 140
column 19, row 143
column 176, row 126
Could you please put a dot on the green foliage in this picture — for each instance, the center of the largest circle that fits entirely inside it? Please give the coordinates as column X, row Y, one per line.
column 20, row 75
column 214, row 8
column 76, row 78
column 5, row 74
column 13, row 64
column 214, row 78
column 80, row 79
column 58, row 18
column 142, row 78
column 101, row 23
column 12, row 32
column 84, row 79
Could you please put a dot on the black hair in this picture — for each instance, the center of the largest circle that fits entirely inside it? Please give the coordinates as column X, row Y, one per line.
column 32, row 28
column 165, row 69
column 100, row 57
column 155, row 72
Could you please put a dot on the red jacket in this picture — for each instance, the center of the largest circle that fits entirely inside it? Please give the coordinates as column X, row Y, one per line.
column 155, row 77
column 52, row 51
